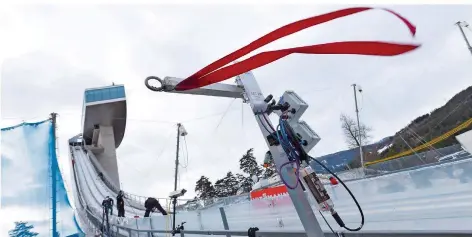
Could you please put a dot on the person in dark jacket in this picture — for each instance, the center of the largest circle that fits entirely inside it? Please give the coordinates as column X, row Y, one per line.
column 107, row 204
column 120, row 204
column 151, row 204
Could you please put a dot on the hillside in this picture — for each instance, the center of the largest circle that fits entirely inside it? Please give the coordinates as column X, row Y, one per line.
column 343, row 160
column 422, row 129
column 428, row 126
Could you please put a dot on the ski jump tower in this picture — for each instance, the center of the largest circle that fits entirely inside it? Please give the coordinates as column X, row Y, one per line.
column 103, row 125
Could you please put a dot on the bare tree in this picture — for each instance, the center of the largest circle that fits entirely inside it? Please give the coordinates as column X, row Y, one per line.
column 351, row 131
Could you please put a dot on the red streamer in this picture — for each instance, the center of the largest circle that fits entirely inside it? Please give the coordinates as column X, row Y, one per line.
column 213, row 73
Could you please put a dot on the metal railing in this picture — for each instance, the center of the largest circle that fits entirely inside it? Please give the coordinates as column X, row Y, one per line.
column 413, row 233
column 416, row 161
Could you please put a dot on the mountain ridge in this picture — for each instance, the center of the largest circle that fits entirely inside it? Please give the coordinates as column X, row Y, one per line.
column 420, row 130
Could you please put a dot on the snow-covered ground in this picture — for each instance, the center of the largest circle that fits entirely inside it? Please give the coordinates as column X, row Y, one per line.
column 379, row 151
column 430, row 198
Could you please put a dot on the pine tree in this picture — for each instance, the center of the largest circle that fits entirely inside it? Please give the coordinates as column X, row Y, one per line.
column 245, row 183
column 22, row 229
column 227, row 186
column 220, row 188
column 269, row 171
column 204, row 188
column 232, row 183
column 248, row 164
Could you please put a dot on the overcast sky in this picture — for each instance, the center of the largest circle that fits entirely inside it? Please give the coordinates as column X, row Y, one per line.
column 51, row 54
column 26, row 183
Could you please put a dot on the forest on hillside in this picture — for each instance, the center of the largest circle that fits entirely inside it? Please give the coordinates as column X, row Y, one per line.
column 428, row 126
column 233, row 184
column 420, row 130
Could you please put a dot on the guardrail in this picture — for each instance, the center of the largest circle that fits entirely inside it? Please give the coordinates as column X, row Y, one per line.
column 412, row 233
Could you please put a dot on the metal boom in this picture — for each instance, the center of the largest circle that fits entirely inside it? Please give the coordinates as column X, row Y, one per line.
column 248, row 89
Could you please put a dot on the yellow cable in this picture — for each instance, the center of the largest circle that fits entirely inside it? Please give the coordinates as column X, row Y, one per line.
column 430, row 143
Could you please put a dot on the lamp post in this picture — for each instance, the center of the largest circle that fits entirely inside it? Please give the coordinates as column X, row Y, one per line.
column 359, row 131
column 461, row 24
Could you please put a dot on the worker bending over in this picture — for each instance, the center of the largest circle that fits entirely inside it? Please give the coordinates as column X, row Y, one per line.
column 151, row 204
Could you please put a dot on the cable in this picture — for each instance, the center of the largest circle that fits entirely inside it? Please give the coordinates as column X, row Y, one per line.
column 224, row 114
column 411, row 148
column 350, row 193
column 327, row 223
column 285, row 145
column 206, row 116
column 264, row 126
column 291, row 148
column 294, row 151
column 186, row 154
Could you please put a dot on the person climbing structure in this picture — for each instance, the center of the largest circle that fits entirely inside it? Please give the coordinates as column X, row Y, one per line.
column 151, row 204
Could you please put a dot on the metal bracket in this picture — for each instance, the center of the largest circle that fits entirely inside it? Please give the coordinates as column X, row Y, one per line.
column 218, row 89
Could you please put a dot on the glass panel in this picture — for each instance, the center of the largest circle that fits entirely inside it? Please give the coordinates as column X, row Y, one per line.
column 98, row 95
column 87, row 97
column 113, row 93
column 121, row 92
column 105, row 94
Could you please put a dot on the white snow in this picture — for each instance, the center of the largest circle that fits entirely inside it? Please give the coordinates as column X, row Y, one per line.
column 379, row 151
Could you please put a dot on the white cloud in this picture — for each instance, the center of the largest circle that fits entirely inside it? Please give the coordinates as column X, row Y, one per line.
column 24, row 169
column 39, row 217
column 54, row 53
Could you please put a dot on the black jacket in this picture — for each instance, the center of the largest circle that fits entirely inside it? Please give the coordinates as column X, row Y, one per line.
column 120, row 202
column 107, row 202
column 152, row 203
column 110, row 200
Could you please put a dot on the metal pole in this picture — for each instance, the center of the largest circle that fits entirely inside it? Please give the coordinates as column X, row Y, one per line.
column 298, row 197
column 54, row 168
column 463, row 35
column 174, row 200
column 225, row 220
column 359, row 130
column 177, row 157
